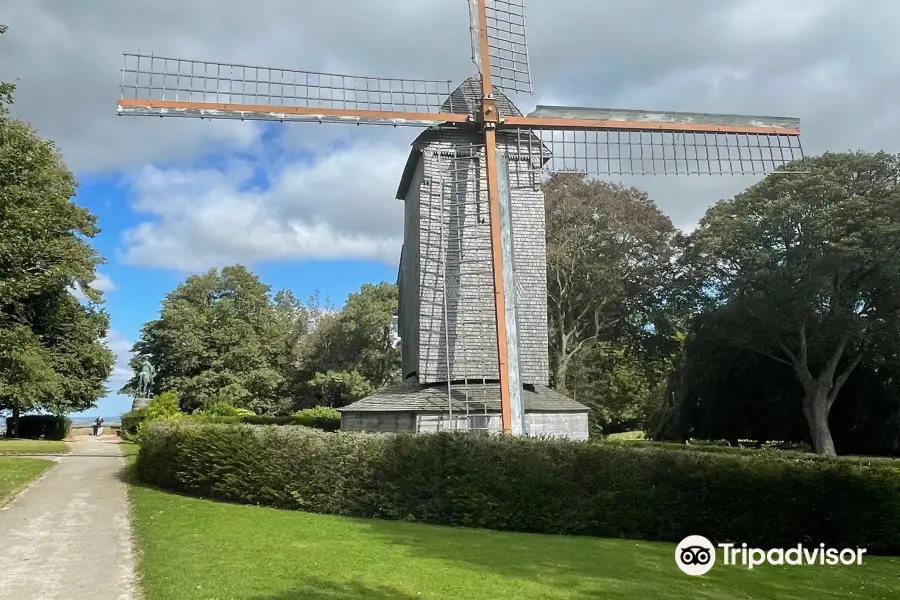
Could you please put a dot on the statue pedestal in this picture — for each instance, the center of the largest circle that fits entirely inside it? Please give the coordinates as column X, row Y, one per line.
column 139, row 403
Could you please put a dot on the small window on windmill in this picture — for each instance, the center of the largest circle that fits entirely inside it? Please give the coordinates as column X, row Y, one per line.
column 478, row 424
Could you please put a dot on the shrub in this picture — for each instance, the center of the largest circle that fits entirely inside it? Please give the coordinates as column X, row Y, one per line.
column 48, row 427
column 164, row 406
column 763, row 498
column 320, row 417
column 318, row 420
column 222, row 408
column 132, row 420
column 238, row 419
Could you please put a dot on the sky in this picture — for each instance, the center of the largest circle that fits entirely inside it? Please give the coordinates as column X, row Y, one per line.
column 311, row 207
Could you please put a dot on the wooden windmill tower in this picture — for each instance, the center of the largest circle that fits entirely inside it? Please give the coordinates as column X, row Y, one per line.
column 497, row 153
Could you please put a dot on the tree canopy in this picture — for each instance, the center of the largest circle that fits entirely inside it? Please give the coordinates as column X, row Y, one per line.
column 611, row 272
column 806, row 271
column 52, row 353
column 357, row 339
column 218, row 338
column 223, row 337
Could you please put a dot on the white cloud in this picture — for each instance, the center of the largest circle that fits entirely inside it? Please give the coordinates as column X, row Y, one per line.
column 339, row 206
column 121, row 347
column 103, row 283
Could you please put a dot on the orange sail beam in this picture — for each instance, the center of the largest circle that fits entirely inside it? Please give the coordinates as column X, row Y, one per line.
column 128, row 106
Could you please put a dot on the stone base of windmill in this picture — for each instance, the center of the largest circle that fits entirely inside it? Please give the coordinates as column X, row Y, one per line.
column 139, row 403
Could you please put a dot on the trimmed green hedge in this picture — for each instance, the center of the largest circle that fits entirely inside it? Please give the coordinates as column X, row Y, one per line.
column 765, row 499
column 35, row 427
column 319, row 417
column 308, row 419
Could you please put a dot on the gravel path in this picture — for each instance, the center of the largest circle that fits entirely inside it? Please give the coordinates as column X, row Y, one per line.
column 67, row 536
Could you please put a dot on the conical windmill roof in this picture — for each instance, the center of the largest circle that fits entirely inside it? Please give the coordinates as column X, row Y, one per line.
column 465, row 99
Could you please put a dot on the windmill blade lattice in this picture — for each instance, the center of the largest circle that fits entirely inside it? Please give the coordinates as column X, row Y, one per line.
column 632, row 152
column 630, row 142
column 507, row 43
column 149, row 83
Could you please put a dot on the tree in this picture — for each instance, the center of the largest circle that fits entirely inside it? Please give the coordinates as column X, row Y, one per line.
column 335, row 389
column 610, row 264
column 41, row 228
column 722, row 391
column 366, row 324
column 7, row 88
column 27, row 377
column 807, row 271
column 52, row 356
column 73, row 332
column 220, row 337
column 357, row 339
column 615, row 383
column 291, row 325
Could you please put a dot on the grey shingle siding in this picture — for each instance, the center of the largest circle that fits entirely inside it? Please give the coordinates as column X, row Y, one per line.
column 471, row 332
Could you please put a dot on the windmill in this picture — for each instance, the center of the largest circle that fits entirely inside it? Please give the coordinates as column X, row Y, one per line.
column 594, row 141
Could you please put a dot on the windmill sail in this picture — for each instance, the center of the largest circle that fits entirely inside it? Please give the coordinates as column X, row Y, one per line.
column 506, row 41
column 163, row 86
column 633, row 142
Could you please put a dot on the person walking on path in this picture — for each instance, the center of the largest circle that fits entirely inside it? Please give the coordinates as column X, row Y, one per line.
column 98, row 426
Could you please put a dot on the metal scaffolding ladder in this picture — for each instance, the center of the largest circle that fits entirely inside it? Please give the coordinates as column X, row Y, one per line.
column 469, row 324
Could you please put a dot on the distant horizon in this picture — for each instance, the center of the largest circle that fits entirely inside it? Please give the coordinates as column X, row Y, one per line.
column 80, row 421
column 107, row 406
column 107, row 412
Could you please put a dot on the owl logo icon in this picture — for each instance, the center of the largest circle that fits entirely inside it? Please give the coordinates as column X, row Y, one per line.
column 695, row 555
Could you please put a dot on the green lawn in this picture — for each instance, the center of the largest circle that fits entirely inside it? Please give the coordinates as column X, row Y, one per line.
column 17, row 446
column 16, row 473
column 129, row 449
column 197, row 549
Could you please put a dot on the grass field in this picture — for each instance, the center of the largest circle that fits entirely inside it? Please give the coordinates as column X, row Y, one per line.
column 17, row 446
column 16, row 473
column 191, row 549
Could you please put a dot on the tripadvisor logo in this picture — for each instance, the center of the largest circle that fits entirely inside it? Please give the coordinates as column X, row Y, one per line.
column 696, row 555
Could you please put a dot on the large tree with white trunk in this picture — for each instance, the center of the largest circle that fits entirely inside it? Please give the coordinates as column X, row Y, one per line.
column 806, row 270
